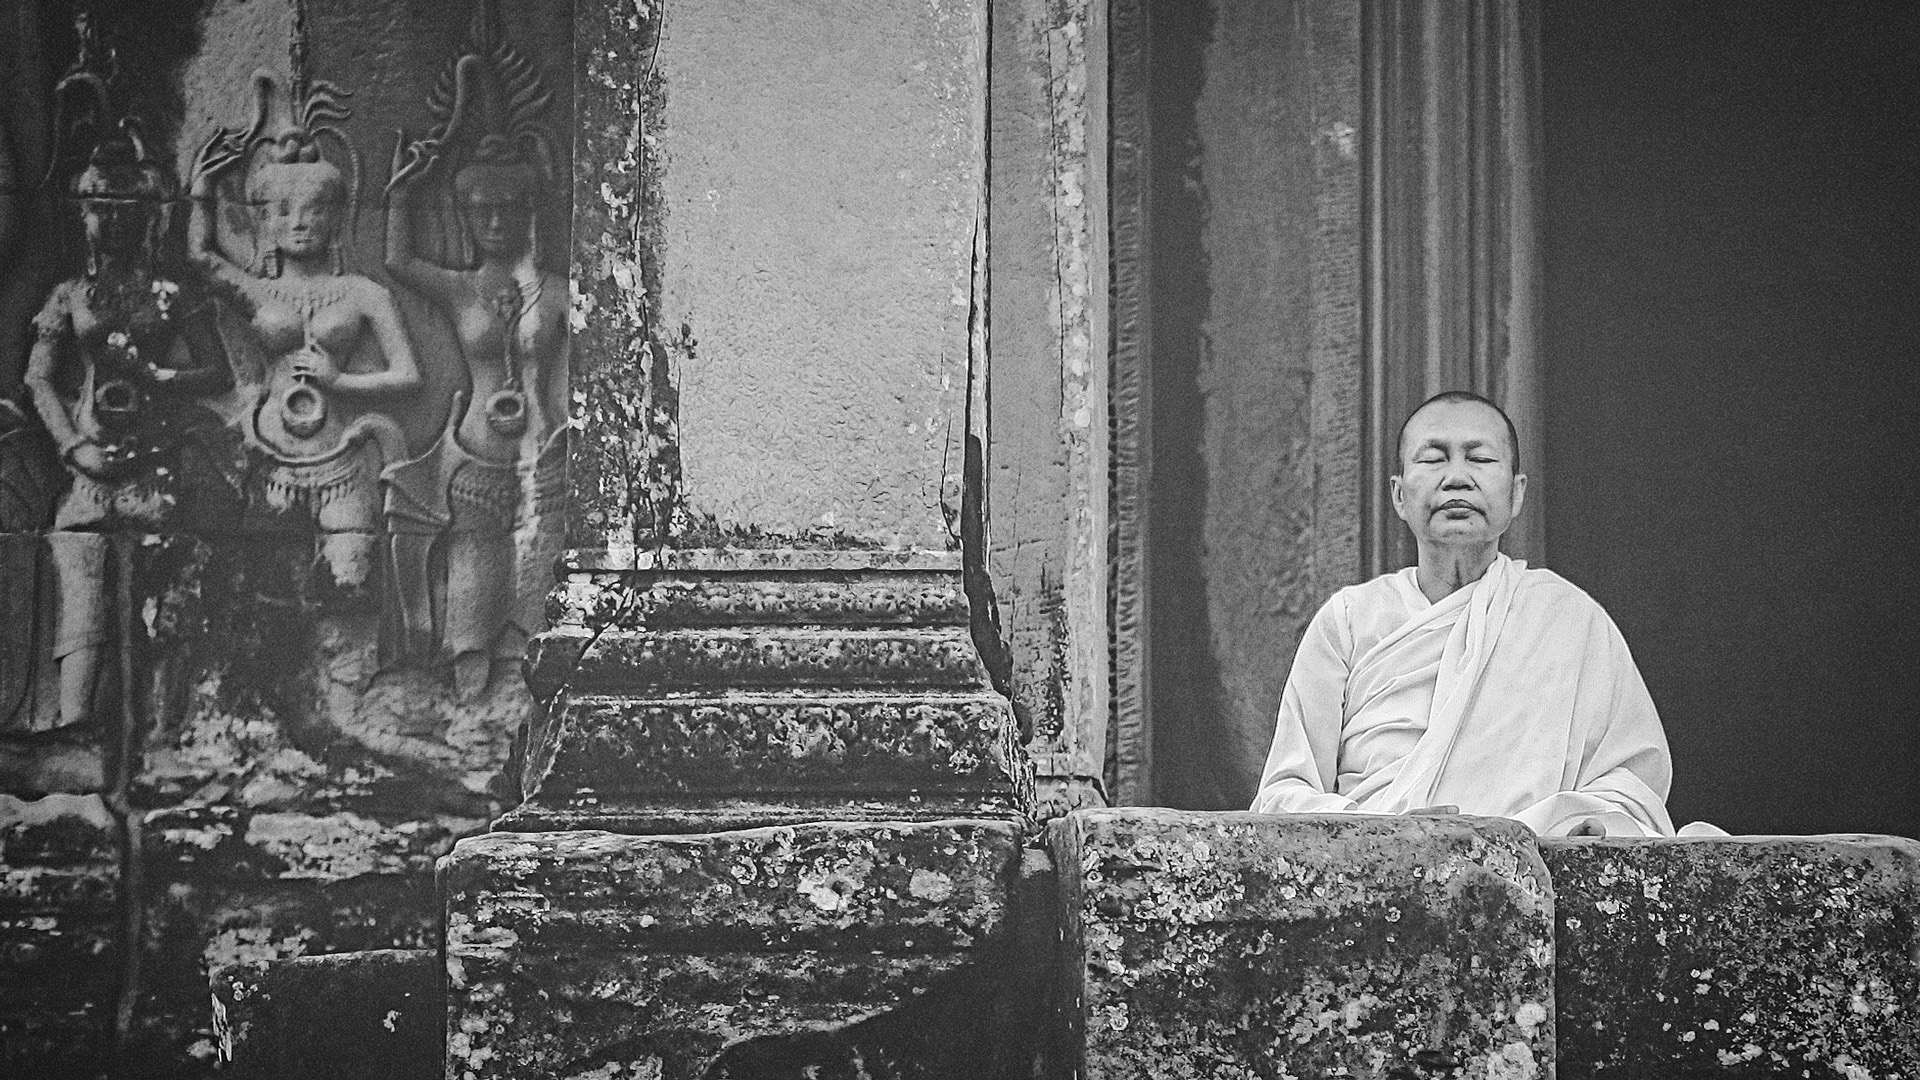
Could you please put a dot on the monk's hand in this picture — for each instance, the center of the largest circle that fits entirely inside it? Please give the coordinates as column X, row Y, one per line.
column 1444, row 808
column 1592, row 826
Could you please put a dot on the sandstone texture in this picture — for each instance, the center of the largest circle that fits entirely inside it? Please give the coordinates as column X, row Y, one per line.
column 590, row 954
column 345, row 1016
column 1743, row 957
column 1309, row 946
column 261, row 776
column 59, row 934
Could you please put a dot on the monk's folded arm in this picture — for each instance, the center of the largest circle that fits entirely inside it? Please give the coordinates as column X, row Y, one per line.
column 1301, row 770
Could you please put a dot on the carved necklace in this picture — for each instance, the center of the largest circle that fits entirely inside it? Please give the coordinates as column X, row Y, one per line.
column 303, row 409
column 309, row 298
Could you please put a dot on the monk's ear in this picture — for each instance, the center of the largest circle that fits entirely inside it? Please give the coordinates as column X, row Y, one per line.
column 1519, row 492
column 1399, row 495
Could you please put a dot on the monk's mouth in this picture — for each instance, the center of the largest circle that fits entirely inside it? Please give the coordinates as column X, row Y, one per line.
column 1457, row 506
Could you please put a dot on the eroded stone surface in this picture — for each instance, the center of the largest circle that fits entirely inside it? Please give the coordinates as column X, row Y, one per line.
column 59, row 934
column 346, row 1016
column 672, row 956
column 778, row 687
column 1048, row 391
column 1245, row 945
column 1739, row 957
column 723, row 596
column 940, row 657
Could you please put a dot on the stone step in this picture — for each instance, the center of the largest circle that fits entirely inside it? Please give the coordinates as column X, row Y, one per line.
column 743, row 743
column 376, row 1015
column 616, row 660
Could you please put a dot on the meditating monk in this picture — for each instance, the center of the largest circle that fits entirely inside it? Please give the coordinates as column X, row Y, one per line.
column 1468, row 683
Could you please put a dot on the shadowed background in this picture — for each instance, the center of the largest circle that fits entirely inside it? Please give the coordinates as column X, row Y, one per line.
column 1732, row 339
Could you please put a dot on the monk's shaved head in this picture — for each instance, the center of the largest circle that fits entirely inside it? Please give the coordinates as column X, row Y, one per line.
column 1460, row 397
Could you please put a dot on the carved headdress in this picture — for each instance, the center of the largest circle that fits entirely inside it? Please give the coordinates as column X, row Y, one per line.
column 289, row 136
column 489, row 107
column 107, row 153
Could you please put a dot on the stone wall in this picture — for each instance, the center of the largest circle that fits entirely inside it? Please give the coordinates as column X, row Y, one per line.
column 1242, row 945
column 261, row 662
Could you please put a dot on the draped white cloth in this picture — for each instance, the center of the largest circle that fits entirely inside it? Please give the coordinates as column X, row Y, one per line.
column 1514, row 696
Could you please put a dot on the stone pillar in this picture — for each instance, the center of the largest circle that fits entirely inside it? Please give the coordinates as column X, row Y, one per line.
column 777, row 210
column 767, row 616
column 772, row 795
column 1048, row 458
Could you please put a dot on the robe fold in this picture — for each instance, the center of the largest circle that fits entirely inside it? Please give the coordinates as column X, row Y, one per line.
column 1515, row 696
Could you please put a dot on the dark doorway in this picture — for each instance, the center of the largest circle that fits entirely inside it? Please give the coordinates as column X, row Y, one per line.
column 1732, row 341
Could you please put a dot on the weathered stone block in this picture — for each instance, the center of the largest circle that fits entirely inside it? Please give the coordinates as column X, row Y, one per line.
column 1248, row 945
column 60, row 955
column 375, row 1015
column 684, row 956
column 222, row 888
column 1738, row 957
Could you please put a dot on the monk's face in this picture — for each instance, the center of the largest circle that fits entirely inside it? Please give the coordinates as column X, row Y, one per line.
column 1457, row 485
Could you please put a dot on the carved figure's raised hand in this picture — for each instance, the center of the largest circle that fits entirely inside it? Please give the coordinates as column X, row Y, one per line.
column 222, row 152
column 412, row 160
column 92, row 459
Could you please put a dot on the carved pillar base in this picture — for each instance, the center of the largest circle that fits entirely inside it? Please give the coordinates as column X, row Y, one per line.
column 842, row 785
column 725, row 689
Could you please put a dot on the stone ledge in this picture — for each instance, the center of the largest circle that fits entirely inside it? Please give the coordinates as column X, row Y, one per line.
column 696, row 814
column 759, row 560
column 1215, row 944
column 1742, row 957
column 626, row 660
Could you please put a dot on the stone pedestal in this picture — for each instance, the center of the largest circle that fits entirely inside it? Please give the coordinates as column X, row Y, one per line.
column 1763, row 956
column 1245, row 945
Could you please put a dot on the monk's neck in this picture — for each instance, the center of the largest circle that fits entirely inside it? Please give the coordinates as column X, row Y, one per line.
column 1444, row 571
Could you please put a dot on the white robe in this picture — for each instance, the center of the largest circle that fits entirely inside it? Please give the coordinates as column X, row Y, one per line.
column 1514, row 696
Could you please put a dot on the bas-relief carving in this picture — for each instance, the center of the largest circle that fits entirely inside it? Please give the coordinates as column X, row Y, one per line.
column 490, row 488
column 250, row 590
column 247, row 393
column 311, row 463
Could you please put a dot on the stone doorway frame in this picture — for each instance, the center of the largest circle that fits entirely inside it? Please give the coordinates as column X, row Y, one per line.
column 1437, row 248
